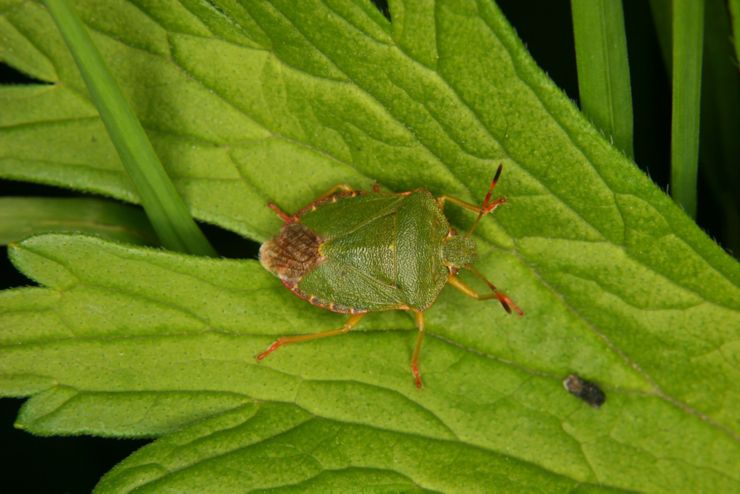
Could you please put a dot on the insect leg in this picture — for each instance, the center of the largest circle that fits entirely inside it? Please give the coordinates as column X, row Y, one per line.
column 441, row 200
column 334, row 190
column 482, row 210
column 282, row 214
column 505, row 301
column 324, row 197
column 292, row 218
column 284, row 340
column 487, row 205
column 417, row 349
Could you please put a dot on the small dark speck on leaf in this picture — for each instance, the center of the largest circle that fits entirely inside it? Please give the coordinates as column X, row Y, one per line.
column 589, row 392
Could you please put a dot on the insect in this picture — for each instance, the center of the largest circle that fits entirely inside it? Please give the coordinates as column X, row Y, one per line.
column 585, row 390
column 356, row 252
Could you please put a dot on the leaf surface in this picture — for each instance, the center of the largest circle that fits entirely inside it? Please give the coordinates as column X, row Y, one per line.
column 250, row 103
column 21, row 217
column 319, row 455
column 134, row 342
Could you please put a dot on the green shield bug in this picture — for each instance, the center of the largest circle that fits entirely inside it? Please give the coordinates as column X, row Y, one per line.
column 356, row 252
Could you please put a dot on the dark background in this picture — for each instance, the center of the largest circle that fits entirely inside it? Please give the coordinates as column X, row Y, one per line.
column 74, row 464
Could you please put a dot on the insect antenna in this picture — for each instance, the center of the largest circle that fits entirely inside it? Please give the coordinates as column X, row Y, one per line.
column 488, row 205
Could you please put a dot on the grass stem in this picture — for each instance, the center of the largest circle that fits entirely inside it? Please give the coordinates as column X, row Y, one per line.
column 603, row 68
column 163, row 205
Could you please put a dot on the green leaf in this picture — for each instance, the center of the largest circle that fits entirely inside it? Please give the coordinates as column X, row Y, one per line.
column 256, row 102
column 21, row 217
column 320, row 455
column 135, row 342
column 603, row 68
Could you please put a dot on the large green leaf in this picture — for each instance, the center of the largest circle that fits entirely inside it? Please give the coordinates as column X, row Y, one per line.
column 253, row 102
column 133, row 342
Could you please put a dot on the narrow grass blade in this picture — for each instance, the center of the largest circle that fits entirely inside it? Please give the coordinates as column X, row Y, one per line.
column 603, row 68
column 164, row 207
column 720, row 121
column 734, row 6
column 21, row 217
column 688, row 37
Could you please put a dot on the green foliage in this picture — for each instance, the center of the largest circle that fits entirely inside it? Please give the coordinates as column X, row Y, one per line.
column 688, row 48
column 720, row 109
column 167, row 211
column 603, row 68
column 21, row 217
column 720, row 118
column 256, row 102
column 734, row 6
column 325, row 455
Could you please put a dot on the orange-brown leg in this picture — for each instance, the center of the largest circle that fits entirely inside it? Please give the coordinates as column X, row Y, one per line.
column 290, row 218
column 417, row 349
column 284, row 340
column 282, row 214
column 487, row 205
column 334, row 190
column 441, row 200
column 482, row 210
column 505, row 301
